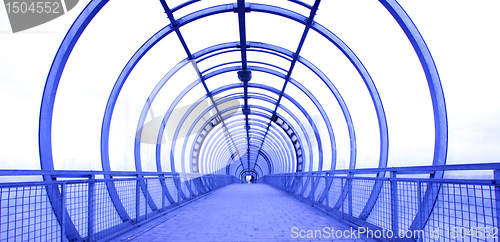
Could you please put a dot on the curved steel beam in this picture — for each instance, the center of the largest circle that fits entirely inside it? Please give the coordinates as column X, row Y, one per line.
column 235, row 121
column 275, row 132
column 392, row 6
column 46, row 111
column 137, row 56
column 283, row 53
column 273, row 90
column 312, row 98
column 208, row 122
column 438, row 105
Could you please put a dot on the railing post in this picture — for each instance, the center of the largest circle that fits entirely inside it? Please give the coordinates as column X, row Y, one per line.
column 63, row 212
column 179, row 189
column 90, row 209
column 349, row 194
column 496, row 175
column 163, row 192
column 328, row 193
column 313, row 187
column 420, row 207
column 137, row 198
column 146, row 198
column 394, row 203
column 342, row 187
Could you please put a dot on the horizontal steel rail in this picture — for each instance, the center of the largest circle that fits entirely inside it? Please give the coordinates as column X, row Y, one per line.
column 411, row 169
column 462, row 209
column 27, row 213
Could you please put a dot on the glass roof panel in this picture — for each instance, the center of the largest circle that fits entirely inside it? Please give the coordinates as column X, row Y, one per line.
column 89, row 76
column 272, row 29
column 223, row 28
column 223, row 80
column 216, row 62
column 197, row 6
column 463, row 48
column 396, row 71
column 351, row 86
column 287, row 5
column 268, row 80
column 134, row 95
column 269, row 57
column 331, row 108
column 463, row 42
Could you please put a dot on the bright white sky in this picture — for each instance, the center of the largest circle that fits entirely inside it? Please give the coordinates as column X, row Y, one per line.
column 463, row 39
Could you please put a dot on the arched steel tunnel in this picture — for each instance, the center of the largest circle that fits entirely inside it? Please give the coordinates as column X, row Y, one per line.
column 243, row 110
column 244, row 125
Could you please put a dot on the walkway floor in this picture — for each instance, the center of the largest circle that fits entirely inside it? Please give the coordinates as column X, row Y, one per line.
column 244, row 212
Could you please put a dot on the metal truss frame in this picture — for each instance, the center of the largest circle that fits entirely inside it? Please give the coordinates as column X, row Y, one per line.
column 241, row 8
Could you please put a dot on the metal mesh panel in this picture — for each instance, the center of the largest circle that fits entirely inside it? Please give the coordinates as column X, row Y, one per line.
column 76, row 195
column 319, row 189
column 155, row 191
column 345, row 202
column 307, row 184
column 381, row 214
column 90, row 209
column 126, row 193
column 26, row 215
column 334, row 192
column 143, row 205
column 361, row 192
column 463, row 212
column 185, row 189
column 105, row 217
column 169, row 182
column 407, row 203
column 420, row 209
column 193, row 187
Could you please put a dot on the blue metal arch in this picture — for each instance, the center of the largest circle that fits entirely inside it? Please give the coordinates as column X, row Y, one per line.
column 269, row 152
column 283, row 53
column 215, row 143
column 206, row 123
column 92, row 9
column 350, row 55
column 238, row 120
column 283, row 156
column 271, row 149
column 295, row 83
column 178, row 98
column 304, row 112
column 311, row 122
column 256, row 131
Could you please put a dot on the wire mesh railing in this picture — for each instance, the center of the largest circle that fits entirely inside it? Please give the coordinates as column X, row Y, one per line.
column 91, row 209
column 384, row 205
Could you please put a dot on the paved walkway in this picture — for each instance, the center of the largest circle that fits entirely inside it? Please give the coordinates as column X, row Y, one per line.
column 243, row 212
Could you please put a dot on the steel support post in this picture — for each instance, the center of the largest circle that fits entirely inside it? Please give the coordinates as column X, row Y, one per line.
column 146, row 197
column 394, row 203
column 137, row 198
column 327, row 199
column 179, row 190
column 163, row 193
column 497, row 197
column 349, row 192
column 342, row 187
column 63, row 212
column 420, row 213
column 90, row 209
